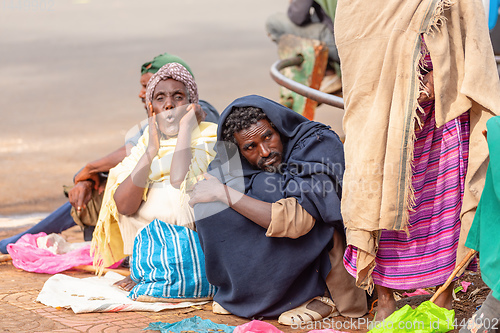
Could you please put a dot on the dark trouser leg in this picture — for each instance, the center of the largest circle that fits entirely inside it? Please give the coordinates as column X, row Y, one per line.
column 88, row 231
column 56, row 222
column 486, row 319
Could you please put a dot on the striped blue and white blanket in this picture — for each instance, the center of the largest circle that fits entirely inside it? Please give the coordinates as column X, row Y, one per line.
column 168, row 263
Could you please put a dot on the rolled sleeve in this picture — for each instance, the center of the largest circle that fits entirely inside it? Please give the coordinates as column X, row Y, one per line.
column 289, row 219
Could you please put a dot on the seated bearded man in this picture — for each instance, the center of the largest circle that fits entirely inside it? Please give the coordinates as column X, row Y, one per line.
column 151, row 185
column 268, row 217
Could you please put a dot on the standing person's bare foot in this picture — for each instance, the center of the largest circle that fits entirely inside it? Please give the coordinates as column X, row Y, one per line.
column 125, row 284
column 386, row 304
column 445, row 300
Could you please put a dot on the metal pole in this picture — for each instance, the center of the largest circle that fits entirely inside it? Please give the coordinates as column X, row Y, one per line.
column 306, row 91
column 299, row 88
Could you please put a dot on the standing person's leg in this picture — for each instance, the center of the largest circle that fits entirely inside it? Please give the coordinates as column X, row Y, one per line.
column 445, row 300
column 486, row 319
column 426, row 255
column 386, row 304
column 56, row 222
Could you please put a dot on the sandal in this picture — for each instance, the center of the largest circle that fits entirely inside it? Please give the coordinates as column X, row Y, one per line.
column 309, row 311
column 218, row 309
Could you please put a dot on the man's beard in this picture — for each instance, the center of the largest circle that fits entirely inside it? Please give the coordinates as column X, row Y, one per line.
column 270, row 168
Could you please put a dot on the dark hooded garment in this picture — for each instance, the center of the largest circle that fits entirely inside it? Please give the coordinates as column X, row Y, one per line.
column 260, row 276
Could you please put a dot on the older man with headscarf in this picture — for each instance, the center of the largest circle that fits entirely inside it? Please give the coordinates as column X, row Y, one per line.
column 151, row 183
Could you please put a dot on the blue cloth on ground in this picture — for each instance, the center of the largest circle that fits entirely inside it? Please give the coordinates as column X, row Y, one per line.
column 58, row 221
column 168, row 262
column 193, row 324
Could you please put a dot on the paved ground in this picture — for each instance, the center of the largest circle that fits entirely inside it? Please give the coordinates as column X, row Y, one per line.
column 19, row 312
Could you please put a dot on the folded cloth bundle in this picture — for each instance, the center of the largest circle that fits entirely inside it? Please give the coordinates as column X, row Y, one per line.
column 95, row 294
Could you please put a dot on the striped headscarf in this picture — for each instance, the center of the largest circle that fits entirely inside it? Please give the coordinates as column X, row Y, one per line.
column 173, row 71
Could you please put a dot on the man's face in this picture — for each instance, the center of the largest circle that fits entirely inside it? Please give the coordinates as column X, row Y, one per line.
column 261, row 145
column 170, row 100
column 144, row 82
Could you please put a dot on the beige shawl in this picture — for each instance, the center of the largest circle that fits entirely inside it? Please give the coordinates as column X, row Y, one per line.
column 379, row 47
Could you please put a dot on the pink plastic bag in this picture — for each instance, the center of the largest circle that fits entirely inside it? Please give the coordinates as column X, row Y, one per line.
column 256, row 326
column 417, row 292
column 465, row 285
column 26, row 255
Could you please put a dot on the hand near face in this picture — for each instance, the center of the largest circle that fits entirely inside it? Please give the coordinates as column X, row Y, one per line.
column 194, row 115
column 209, row 189
column 428, row 82
column 80, row 194
column 154, row 134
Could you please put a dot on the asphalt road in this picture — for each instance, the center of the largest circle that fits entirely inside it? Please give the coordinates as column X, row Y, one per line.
column 69, row 78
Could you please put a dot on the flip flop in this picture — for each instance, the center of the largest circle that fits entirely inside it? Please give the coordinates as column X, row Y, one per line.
column 309, row 312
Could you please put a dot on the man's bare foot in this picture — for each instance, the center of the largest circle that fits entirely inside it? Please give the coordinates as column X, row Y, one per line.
column 445, row 300
column 126, row 284
column 386, row 304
